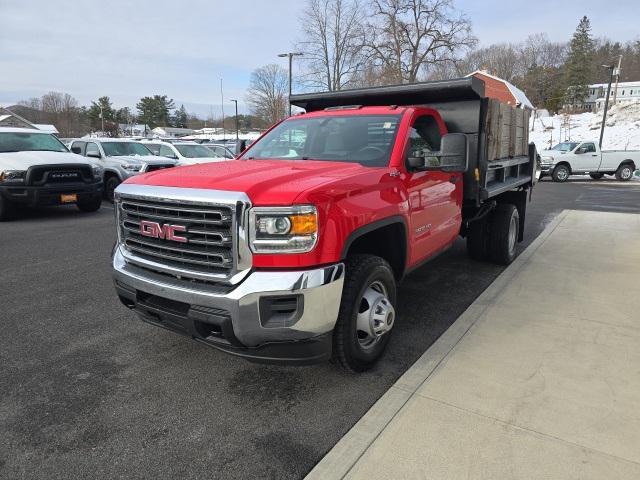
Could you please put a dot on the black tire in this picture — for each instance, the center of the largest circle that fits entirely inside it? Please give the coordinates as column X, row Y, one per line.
column 503, row 237
column 624, row 172
column 362, row 271
column 596, row 176
column 110, row 185
column 7, row 210
column 561, row 173
column 477, row 240
column 89, row 206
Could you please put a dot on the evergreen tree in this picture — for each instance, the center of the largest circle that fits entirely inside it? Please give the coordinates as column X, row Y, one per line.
column 579, row 64
column 181, row 118
column 156, row 110
column 101, row 107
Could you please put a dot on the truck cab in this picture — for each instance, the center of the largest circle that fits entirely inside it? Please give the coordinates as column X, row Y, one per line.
column 586, row 157
column 293, row 252
column 36, row 169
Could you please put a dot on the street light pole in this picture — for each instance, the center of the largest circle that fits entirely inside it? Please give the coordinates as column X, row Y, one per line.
column 606, row 103
column 617, row 73
column 101, row 118
column 290, row 55
column 236, row 102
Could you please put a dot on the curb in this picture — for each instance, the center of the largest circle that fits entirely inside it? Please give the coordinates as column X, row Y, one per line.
column 345, row 454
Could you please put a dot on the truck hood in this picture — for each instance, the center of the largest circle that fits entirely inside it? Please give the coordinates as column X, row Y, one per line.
column 24, row 160
column 266, row 182
column 149, row 159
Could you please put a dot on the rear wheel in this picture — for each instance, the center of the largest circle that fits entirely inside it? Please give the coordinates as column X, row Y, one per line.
column 503, row 235
column 624, row 173
column 367, row 313
column 7, row 209
column 110, row 186
column 561, row 173
column 596, row 176
column 92, row 205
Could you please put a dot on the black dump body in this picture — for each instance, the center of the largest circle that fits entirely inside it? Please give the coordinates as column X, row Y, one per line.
column 500, row 158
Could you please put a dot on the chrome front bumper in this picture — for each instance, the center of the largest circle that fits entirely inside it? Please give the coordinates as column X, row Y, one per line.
column 243, row 319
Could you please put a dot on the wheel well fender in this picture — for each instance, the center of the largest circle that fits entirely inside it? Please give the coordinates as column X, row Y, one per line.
column 111, row 173
column 565, row 163
column 628, row 161
column 386, row 238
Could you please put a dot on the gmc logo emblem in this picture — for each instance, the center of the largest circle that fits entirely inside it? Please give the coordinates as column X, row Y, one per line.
column 163, row 232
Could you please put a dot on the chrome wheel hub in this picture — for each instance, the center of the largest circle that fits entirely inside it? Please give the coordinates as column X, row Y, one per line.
column 513, row 233
column 626, row 173
column 376, row 315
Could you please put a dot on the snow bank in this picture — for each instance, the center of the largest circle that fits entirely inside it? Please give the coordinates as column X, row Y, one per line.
column 622, row 131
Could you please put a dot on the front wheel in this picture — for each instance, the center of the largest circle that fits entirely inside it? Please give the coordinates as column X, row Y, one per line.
column 92, row 205
column 561, row 173
column 110, row 186
column 367, row 313
column 596, row 176
column 624, row 173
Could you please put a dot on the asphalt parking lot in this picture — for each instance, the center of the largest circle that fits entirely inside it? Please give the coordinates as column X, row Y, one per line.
column 89, row 391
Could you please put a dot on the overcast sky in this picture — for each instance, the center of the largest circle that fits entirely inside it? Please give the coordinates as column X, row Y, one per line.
column 129, row 48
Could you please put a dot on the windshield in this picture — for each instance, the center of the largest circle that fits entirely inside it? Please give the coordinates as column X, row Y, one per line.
column 30, row 142
column 565, row 146
column 116, row 149
column 365, row 139
column 195, row 151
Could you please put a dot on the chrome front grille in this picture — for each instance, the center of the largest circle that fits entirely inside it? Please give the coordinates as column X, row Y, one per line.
column 208, row 232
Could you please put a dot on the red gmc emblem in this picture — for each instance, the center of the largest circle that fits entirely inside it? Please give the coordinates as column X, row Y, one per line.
column 163, row 232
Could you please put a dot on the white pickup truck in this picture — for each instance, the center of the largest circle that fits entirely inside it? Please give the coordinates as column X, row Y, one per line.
column 572, row 158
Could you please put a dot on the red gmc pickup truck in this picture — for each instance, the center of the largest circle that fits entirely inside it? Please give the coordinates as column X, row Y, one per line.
column 292, row 253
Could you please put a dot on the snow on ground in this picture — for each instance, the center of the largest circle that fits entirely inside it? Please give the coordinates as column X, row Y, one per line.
column 622, row 129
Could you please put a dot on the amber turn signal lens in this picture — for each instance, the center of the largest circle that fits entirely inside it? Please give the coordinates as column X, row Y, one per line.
column 303, row 224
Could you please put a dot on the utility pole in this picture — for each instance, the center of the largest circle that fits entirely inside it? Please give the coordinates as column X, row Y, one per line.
column 606, row 102
column 101, row 118
column 222, row 106
column 290, row 55
column 617, row 74
column 236, row 102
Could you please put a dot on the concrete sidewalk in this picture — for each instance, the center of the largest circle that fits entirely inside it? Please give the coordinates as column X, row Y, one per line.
column 539, row 378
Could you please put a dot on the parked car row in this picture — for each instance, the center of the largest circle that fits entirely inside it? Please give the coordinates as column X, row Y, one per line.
column 37, row 169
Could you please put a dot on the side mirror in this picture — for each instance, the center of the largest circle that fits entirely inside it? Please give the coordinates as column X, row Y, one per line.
column 94, row 154
column 581, row 150
column 454, row 152
column 241, row 146
column 76, row 150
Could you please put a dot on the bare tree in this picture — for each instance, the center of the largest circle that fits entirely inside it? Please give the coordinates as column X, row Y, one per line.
column 267, row 93
column 410, row 36
column 333, row 34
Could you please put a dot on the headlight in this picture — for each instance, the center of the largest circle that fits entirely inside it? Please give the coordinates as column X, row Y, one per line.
column 132, row 167
column 546, row 159
column 283, row 229
column 13, row 176
column 97, row 171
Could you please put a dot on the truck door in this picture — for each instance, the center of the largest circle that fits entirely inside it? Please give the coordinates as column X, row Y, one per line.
column 586, row 158
column 435, row 196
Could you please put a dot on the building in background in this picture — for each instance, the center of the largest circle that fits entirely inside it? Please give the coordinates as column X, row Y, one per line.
column 10, row 119
column 628, row 92
column 500, row 89
column 173, row 132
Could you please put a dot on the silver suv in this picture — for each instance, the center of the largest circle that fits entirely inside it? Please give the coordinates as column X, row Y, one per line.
column 120, row 158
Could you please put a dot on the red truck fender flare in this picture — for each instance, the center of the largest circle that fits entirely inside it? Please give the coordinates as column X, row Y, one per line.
column 377, row 225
